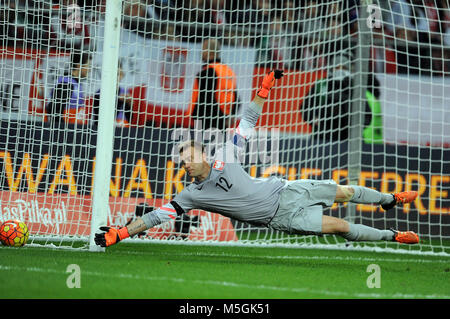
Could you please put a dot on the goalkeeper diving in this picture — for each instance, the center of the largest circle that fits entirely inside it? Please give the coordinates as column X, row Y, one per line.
column 294, row 207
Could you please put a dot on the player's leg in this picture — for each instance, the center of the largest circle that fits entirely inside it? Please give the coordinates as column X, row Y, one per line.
column 354, row 232
column 333, row 225
column 365, row 195
column 358, row 232
column 362, row 195
column 301, row 212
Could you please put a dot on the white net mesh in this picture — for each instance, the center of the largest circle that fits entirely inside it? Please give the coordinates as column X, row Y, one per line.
column 363, row 101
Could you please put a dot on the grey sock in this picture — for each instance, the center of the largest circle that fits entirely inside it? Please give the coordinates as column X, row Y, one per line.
column 360, row 232
column 365, row 195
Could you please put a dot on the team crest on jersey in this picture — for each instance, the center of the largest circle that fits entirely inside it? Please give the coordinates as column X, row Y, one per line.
column 219, row 165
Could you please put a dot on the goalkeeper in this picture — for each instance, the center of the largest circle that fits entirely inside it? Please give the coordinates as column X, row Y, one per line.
column 295, row 207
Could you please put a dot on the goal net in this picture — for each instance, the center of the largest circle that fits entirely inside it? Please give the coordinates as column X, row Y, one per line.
column 363, row 101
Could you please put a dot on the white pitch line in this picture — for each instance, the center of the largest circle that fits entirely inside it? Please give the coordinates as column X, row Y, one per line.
column 306, row 257
column 234, row 284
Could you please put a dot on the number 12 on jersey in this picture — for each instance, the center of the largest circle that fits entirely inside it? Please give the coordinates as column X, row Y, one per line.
column 224, row 184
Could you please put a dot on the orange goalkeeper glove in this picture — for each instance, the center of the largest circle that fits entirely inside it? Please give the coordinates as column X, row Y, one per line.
column 268, row 82
column 110, row 236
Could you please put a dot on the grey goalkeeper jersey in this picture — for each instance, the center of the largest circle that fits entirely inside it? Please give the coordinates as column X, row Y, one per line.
column 228, row 190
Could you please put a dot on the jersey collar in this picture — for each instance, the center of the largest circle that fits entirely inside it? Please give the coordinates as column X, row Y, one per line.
column 213, row 173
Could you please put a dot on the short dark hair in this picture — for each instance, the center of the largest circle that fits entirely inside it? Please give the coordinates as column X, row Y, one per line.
column 190, row 143
column 79, row 58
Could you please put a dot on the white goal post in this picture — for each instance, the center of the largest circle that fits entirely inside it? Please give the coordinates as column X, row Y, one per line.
column 94, row 97
column 106, row 119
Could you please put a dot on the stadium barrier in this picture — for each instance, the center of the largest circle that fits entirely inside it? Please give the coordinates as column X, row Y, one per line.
column 50, row 184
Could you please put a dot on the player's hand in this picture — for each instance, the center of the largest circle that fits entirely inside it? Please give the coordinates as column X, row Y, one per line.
column 110, row 236
column 268, row 82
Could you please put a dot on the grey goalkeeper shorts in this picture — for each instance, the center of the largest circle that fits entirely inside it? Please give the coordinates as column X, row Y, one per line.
column 301, row 206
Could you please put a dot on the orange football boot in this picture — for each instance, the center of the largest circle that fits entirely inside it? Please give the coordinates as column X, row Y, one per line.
column 405, row 237
column 401, row 198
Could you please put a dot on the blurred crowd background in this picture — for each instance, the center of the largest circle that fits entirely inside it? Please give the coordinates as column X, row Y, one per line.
column 413, row 37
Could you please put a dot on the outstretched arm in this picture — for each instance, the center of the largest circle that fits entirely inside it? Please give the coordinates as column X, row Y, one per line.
column 254, row 110
column 111, row 235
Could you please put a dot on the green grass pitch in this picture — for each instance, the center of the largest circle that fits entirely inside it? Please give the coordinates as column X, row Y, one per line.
column 171, row 271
